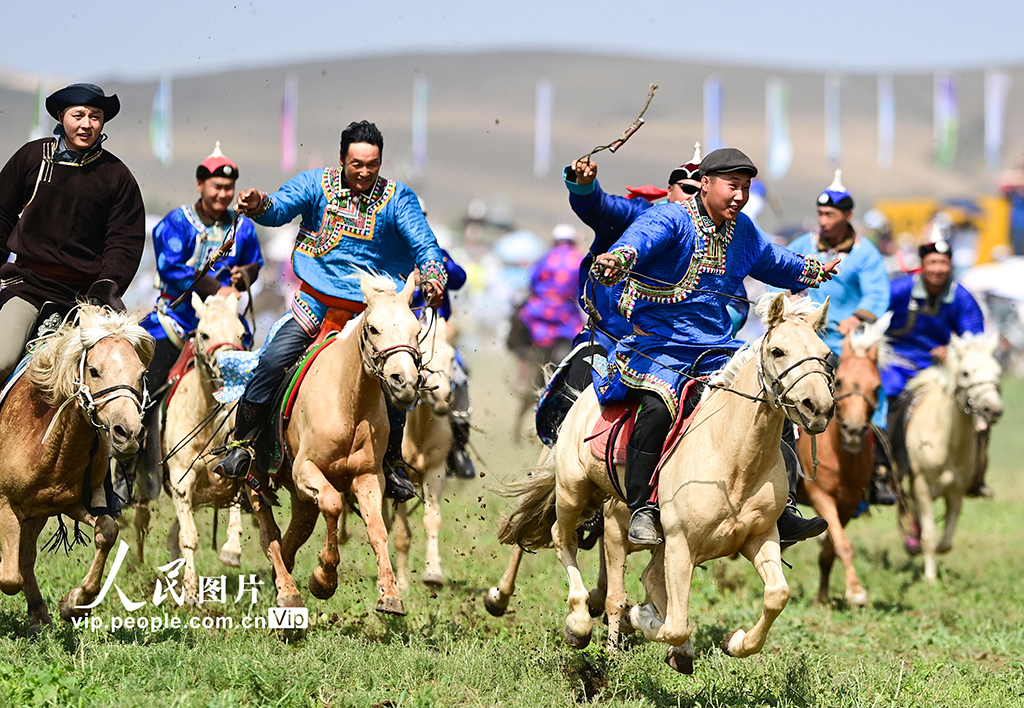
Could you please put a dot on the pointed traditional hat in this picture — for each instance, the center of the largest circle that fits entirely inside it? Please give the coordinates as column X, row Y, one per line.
column 836, row 195
column 688, row 170
column 216, row 165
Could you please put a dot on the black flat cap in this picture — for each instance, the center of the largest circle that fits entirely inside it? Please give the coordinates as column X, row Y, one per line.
column 82, row 95
column 726, row 160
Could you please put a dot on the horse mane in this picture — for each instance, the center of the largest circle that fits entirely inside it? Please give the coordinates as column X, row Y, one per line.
column 375, row 282
column 868, row 335
column 939, row 374
column 53, row 367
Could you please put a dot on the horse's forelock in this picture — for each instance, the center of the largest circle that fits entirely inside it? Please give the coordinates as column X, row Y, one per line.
column 791, row 307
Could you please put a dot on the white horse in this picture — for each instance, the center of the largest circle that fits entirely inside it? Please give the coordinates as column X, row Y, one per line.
column 953, row 403
column 428, row 439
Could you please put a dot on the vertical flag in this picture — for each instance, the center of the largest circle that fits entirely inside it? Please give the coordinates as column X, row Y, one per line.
column 780, row 145
column 712, row 114
column 290, row 124
column 420, row 97
column 545, row 103
column 42, row 118
column 833, row 120
column 997, row 87
column 886, row 121
column 160, row 125
column 946, row 120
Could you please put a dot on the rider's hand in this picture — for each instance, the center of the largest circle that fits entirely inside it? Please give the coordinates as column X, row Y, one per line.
column 848, row 325
column 830, row 269
column 939, row 354
column 585, row 169
column 227, row 291
column 249, row 201
column 433, row 293
column 238, row 277
column 606, row 266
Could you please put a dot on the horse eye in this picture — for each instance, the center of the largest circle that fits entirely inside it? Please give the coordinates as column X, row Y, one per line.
column 776, row 352
column 839, row 383
column 94, row 372
column 373, row 330
column 204, row 336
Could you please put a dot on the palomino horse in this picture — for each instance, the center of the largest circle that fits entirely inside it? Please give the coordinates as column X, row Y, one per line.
column 953, row 402
column 846, row 463
column 79, row 402
column 721, row 490
column 337, row 437
column 428, row 439
column 195, row 423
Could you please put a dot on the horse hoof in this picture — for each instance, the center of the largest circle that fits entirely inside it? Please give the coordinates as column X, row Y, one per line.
column 68, row 609
column 322, row 589
column 231, row 559
column 391, row 606
column 291, row 600
column 575, row 640
column 725, row 642
column 491, row 605
column 682, row 664
column 433, row 580
column 858, row 599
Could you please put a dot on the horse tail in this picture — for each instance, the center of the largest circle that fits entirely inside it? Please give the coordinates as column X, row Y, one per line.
column 529, row 524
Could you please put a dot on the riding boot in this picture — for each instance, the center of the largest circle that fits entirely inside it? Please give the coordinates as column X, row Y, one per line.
column 397, row 484
column 640, row 468
column 459, row 464
column 880, row 492
column 792, row 526
column 248, row 422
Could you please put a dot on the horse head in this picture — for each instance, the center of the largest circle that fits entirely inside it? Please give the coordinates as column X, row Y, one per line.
column 438, row 365
column 974, row 377
column 389, row 337
column 858, row 382
column 793, row 360
column 219, row 328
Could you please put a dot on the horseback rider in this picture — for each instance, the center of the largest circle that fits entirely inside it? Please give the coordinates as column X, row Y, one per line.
column 73, row 215
column 859, row 294
column 700, row 244
column 184, row 241
column 352, row 220
column 927, row 309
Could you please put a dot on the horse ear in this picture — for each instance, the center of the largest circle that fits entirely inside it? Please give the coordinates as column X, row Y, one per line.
column 776, row 310
column 197, row 304
column 873, row 354
column 882, row 323
column 992, row 342
column 410, row 288
column 233, row 299
column 820, row 316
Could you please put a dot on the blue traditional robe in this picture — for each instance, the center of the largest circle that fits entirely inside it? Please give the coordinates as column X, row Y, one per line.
column 861, row 288
column 920, row 323
column 183, row 244
column 344, row 233
column 679, row 245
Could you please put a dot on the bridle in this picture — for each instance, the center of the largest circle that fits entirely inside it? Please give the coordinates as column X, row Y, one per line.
column 208, row 356
column 966, row 400
column 776, row 390
column 375, row 359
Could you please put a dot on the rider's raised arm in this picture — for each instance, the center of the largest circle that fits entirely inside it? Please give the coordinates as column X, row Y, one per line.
column 781, row 267
column 646, row 237
column 299, row 195
column 412, row 225
column 873, row 279
column 607, row 214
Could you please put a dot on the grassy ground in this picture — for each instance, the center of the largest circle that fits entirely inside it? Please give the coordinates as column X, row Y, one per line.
column 957, row 644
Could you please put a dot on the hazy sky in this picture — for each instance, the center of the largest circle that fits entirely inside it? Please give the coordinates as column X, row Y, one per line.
column 118, row 38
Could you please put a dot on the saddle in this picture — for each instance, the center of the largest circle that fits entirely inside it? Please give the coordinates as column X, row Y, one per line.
column 611, row 432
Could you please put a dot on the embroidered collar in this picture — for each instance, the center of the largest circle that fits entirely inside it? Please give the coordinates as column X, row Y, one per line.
column 703, row 222
column 920, row 292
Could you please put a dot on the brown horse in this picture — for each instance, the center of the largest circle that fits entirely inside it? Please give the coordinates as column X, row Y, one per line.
column 337, row 438
column 845, row 462
column 78, row 402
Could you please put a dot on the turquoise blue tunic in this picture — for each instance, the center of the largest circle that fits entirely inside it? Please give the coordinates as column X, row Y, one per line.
column 344, row 233
column 674, row 252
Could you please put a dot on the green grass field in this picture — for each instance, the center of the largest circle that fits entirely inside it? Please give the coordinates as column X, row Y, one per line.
column 960, row 643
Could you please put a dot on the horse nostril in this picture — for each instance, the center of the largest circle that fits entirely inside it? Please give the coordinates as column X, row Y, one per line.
column 397, row 379
column 808, row 404
column 120, row 433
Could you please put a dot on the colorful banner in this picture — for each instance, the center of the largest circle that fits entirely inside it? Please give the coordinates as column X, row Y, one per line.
column 997, row 88
column 946, row 120
column 545, row 103
column 780, row 144
column 42, row 119
column 712, row 114
column 420, row 98
column 886, row 121
column 833, row 120
column 290, row 124
column 160, row 124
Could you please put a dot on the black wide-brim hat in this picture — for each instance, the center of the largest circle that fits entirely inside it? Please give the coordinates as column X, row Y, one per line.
column 83, row 95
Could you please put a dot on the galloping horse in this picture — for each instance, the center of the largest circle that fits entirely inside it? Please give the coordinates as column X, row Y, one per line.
column 953, row 402
column 721, row 490
column 337, row 437
column 195, row 424
column 428, row 439
column 845, row 462
column 78, row 402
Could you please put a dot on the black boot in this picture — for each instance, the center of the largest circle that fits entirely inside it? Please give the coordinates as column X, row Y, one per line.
column 248, row 421
column 880, row 491
column 793, row 527
column 397, row 484
column 459, row 464
column 640, row 468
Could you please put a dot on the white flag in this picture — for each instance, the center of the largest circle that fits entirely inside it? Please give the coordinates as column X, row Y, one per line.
column 545, row 103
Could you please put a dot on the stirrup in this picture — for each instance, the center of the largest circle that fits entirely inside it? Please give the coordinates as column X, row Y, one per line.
column 397, row 484
column 796, row 527
column 236, row 463
column 642, row 529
